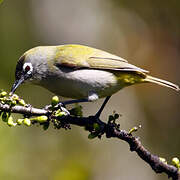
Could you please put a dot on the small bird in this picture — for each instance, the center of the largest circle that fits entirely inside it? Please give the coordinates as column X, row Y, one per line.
column 80, row 72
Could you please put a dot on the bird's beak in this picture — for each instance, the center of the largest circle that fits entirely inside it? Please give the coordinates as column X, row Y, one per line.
column 16, row 84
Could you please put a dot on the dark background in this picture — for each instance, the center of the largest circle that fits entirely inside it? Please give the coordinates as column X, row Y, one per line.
column 144, row 32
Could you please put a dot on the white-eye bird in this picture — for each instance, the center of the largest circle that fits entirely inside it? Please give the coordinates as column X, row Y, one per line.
column 80, row 72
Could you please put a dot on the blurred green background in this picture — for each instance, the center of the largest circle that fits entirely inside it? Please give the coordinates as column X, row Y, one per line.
column 144, row 32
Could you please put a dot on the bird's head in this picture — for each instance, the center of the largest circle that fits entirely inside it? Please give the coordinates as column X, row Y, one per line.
column 32, row 65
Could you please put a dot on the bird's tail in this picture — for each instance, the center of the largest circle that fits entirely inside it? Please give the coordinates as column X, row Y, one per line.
column 161, row 82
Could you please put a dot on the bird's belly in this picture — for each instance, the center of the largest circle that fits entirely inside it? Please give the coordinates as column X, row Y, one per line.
column 80, row 83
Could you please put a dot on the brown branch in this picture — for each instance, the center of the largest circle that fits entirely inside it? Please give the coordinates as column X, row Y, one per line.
column 110, row 129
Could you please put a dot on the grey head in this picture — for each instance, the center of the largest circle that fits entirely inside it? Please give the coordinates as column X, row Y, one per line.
column 32, row 65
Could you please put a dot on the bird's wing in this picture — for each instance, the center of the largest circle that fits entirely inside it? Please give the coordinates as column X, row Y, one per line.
column 112, row 64
column 78, row 56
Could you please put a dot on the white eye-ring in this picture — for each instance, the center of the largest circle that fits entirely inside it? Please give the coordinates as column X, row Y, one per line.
column 28, row 68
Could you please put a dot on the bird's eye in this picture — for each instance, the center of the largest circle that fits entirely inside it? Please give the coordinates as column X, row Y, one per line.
column 27, row 67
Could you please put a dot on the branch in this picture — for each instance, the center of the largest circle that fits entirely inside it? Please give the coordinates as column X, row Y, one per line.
column 96, row 127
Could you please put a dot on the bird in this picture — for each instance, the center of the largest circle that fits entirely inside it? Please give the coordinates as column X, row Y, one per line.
column 80, row 72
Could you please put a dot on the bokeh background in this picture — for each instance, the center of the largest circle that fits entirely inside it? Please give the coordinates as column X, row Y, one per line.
column 144, row 32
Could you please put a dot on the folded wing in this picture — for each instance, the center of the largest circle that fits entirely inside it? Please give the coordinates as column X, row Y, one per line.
column 78, row 56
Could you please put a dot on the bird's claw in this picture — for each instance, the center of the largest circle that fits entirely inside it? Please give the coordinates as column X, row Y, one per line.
column 47, row 107
column 63, row 108
column 60, row 105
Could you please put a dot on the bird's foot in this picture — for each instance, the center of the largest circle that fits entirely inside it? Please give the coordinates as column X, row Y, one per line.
column 60, row 106
column 47, row 107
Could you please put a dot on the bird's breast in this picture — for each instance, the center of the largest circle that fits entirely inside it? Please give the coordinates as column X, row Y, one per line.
column 80, row 83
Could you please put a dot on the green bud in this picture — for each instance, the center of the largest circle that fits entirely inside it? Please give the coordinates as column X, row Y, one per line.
column 5, row 116
column 60, row 114
column 21, row 102
column 56, row 113
column 13, row 102
column 55, row 101
column 10, row 122
column 46, row 126
column 175, row 162
column 134, row 129
column 116, row 116
column 27, row 122
column 3, row 93
column 92, row 136
column 15, row 97
column 96, row 126
column 20, row 121
column 76, row 111
column 111, row 118
column 40, row 119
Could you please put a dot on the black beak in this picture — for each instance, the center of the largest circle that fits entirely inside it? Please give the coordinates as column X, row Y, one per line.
column 16, row 84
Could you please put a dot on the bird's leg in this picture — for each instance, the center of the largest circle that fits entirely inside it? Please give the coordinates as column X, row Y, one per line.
column 97, row 115
column 73, row 101
column 64, row 103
